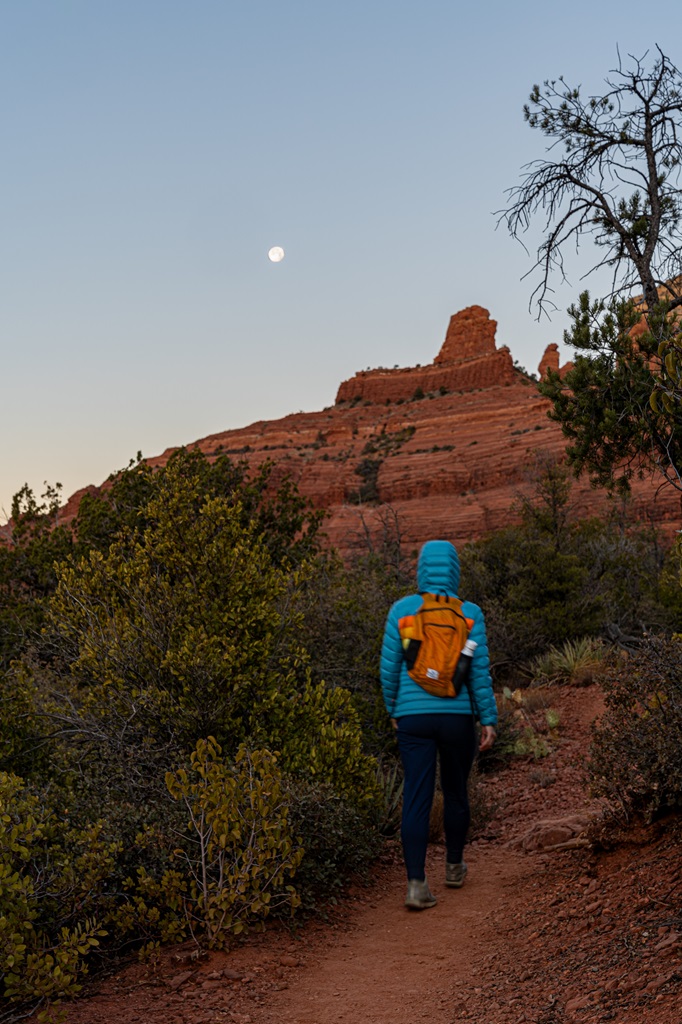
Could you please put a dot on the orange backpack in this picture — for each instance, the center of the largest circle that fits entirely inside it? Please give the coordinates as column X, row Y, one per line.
column 433, row 639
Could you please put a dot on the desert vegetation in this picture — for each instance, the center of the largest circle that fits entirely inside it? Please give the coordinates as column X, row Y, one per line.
column 191, row 731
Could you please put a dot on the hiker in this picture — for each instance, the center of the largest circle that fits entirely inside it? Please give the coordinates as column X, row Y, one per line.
column 428, row 724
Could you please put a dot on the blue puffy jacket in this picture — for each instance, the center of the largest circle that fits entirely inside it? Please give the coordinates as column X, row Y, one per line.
column 437, row 573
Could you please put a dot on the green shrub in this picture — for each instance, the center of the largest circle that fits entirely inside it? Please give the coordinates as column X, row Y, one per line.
column 188, row 630
column 575, row 663
column 52, row 898
column 527, row 727
column 532, row 594
column 636, row 753
column 318, row 735
column 241, row 849
column 338, row 838
column 178, row 632
column 183, row 623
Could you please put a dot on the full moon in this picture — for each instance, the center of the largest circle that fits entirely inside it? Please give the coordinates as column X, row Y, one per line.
column 276, row 254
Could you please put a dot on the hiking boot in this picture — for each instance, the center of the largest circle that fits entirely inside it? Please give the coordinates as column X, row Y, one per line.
column 455, row 875
column 419, row 896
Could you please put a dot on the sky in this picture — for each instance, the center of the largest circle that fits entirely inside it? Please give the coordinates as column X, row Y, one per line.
column 154, row 150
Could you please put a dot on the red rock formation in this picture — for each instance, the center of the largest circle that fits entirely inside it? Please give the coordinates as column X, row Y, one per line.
column 549, row 361
column 468, row 359
column 470, row 334
column 383, row 386
column 449, row 464
column 448, row 447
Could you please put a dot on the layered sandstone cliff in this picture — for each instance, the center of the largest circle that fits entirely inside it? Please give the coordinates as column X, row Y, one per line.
column 443, row 450
column 467, row 360
column 440, row 450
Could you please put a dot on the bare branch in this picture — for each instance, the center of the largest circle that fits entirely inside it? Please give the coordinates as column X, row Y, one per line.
column 615, row 183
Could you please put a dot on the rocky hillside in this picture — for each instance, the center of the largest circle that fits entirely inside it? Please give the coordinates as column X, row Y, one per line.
column 445, row 448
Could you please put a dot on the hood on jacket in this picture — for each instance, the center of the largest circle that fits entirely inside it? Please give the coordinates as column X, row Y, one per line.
column 438, row 568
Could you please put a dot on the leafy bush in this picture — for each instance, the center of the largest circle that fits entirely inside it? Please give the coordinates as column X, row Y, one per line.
column 533, row 595
column 51, row 896
column 232, row 856
column 190, row 630
column 176, row 633
column 344, row 609
column 174, row 618
column 339, row 839
column 241, row 850
column 636, row 753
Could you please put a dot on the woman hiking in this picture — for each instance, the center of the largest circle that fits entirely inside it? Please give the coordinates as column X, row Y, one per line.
column 430, row 725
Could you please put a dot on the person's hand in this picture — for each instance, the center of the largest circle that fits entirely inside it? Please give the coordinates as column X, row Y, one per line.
column 488, row 736
column 394, row 723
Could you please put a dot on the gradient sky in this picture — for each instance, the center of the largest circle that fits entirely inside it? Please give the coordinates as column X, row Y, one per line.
column 154, row 150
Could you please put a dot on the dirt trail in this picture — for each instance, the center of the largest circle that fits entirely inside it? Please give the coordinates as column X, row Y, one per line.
column 400, row 966
column 545, row 930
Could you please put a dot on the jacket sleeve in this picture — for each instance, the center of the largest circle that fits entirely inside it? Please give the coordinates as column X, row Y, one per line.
column 391, row 660
column 480, row 680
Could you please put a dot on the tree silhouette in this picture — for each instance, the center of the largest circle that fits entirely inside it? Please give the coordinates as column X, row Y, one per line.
column 615, row 179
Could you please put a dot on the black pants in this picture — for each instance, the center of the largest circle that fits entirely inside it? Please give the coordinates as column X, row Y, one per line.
column 420, row 738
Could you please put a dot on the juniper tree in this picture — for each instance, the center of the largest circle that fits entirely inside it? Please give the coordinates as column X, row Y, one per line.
column 612, row 176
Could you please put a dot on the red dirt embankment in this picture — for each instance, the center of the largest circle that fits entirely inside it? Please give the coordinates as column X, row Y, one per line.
column 545, row 930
